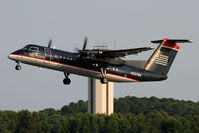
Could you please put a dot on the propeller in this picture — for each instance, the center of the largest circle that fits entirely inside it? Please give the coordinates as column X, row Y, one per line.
column 85, row 43
column 83, row 48
column 49, row 43
column 85, row 52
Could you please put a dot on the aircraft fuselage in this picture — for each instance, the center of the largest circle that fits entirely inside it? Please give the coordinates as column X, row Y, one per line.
column 73, row 63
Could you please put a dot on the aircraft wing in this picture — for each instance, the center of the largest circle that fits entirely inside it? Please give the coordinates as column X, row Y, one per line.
column 123, row 52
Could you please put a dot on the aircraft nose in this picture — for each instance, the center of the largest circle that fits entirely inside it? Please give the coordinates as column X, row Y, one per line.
column 10, row 56
column 13, row 55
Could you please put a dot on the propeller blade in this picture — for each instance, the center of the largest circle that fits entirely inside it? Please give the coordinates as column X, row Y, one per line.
column 85, row 43
column 49, row 43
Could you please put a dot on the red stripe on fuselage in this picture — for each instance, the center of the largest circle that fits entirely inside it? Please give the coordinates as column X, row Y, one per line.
column 75, row 66
column 123, row 77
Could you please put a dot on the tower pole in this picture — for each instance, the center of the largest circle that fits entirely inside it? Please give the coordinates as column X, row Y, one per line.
column 100, row 97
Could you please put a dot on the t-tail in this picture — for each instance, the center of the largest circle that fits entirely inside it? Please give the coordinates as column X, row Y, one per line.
column 163, row 57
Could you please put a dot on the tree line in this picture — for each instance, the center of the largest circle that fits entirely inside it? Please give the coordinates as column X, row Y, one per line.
column 132, row 115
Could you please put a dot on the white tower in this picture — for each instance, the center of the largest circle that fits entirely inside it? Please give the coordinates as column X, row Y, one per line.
column 100, row 97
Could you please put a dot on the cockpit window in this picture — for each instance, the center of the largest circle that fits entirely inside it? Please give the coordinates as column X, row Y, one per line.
column 27, row 48
column 31, row 48
column 35, row 49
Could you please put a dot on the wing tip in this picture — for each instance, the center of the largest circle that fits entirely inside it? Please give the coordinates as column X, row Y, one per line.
column 149, row 48
column 191, row 41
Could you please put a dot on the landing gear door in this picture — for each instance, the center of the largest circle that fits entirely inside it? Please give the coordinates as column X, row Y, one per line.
column 47, row 53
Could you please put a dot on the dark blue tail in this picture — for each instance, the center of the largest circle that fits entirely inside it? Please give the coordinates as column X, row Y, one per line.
column 163, row 57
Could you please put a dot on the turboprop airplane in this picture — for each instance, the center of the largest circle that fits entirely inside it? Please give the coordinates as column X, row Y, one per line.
column 103, row 64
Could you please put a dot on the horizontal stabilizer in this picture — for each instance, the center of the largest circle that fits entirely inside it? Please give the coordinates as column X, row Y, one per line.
column 173, row 41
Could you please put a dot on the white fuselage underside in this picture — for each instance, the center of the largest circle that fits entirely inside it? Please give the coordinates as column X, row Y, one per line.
column 68, row 68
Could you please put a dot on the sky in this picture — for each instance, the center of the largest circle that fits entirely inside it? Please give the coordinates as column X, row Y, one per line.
column 128, row 23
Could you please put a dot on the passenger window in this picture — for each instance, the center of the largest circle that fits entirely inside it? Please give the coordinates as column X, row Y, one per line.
column 35, row 49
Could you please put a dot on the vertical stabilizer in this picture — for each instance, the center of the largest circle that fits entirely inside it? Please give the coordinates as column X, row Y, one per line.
column 163, row 57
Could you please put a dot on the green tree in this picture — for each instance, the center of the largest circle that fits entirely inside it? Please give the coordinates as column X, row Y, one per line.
column 112, row 124
column 100, row 122
column 75, row 124
column 27, row 123
column 73, row 108
column 169, row 126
